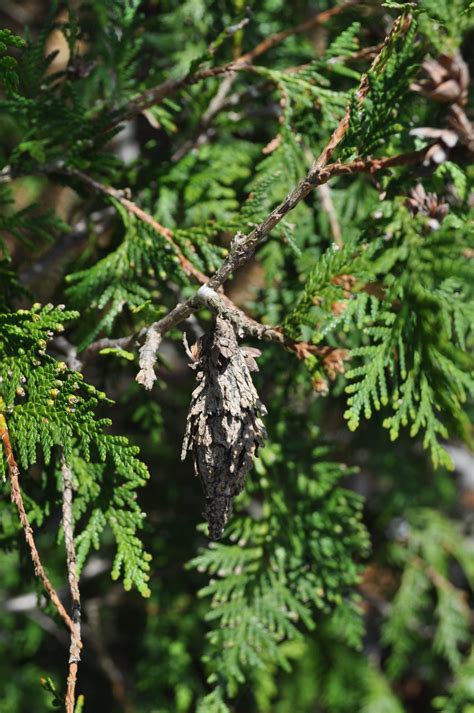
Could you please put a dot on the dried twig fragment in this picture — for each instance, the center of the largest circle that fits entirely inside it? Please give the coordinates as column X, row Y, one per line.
column 224, row 429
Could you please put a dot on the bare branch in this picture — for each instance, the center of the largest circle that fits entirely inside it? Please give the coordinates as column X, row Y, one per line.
column 146, row 376
column 155, row 95
column 76, row 642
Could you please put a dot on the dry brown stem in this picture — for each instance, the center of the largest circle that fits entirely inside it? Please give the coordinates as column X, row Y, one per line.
column 73, row 623
column 17, row 499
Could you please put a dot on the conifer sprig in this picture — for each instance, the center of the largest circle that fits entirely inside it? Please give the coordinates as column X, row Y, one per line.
column 367, row 282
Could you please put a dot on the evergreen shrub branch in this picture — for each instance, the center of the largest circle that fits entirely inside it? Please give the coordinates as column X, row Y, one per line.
column 178, row 148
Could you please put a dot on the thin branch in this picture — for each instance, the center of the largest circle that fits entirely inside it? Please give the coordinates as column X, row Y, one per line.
column 147, row 354
column 73, row 623
column 76, row 642
column 402, row 24
column 17, row 499
column 132, row 208
column 155, row 95
column 319, row 19
column 370, row 165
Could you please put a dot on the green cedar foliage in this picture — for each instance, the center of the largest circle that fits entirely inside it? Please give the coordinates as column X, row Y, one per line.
column 416, row 323
column 50, row 408
column 315, row 597
column 261, row 584
column 8, row 63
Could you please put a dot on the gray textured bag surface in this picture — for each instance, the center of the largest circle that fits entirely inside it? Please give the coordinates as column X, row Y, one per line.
column 224, row 429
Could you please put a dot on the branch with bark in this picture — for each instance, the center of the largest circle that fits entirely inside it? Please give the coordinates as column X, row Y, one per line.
column 76, row 641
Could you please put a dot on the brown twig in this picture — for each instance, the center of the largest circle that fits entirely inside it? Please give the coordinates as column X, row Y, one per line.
column 17, row 499
column 319, row 19
column 76, row 642
column 155, row 95
column 242, row 249
column 372, row 165
column 73, row 623
column 402, row 24
column 132, row 208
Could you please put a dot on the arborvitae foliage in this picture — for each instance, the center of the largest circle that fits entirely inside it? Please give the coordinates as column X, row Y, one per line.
column 49, row 407
column 144, row 149
column 262, row 589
